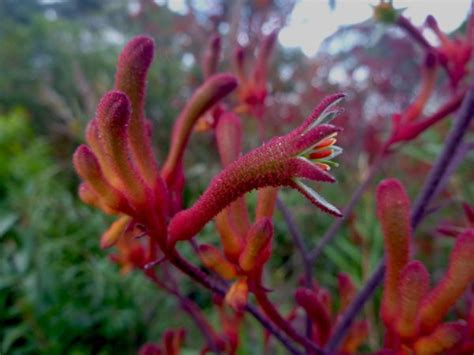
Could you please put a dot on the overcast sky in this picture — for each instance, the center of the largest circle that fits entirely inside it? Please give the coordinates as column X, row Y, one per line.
column 312, row 20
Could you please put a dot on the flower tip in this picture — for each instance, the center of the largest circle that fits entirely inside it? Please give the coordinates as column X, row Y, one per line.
column 139, row 51
column 114, row 108
column 431, row 21
column 391, row 192
column 84, row 160
column 224, row 82
column 216, row 43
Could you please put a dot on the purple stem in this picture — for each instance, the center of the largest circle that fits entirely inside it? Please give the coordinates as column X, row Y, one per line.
column 300, row 245
column 337, row 224
column 436, row 175
column 205, row 281
column 190, row 307
column 414, row 32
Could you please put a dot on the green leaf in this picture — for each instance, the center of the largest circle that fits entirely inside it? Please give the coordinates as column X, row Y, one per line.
column 7, row 222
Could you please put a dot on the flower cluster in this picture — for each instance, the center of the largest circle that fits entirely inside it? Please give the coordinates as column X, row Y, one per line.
column 413, row 312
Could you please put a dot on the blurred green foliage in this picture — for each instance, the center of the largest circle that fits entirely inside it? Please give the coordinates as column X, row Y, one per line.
column 58, row 292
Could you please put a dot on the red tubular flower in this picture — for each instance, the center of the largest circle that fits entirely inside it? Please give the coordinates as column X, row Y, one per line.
column 282, row 161
column 210, row 59
column 118, row 166
column 214, row 89
column 114, row 232
column 458, row 277
column 347, row 290
column 258, row 244
column 171, row 344
column 130, row 78
column 237, row 295
column 253, row 88
column 454, row 54
column 444, row 338
column 413, row 285
column 87, row 166
column 393, row 208
column 213, row 259
column 317, row 311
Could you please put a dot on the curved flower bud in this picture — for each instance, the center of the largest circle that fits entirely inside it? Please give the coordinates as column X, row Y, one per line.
column 316, row 310
column 237, row 295
column 347, row 290
column 444, row 338
column 214, row 89
column 113, row 118
column 114, row 232
column 458, row 277
column 91, row 198
column 88, row 168
column 173, row 340
column 231, row 239
column 130, row 78
column 214, row 260
column 257, row 248
column 413, row 285
column 393, row 208
column 282, row 161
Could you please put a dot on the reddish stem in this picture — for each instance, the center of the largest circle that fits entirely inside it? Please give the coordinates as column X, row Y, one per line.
column 191, row 308
column 272, row 312
column 199, row 276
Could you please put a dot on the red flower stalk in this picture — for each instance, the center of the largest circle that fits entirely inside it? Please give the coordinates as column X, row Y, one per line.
column 210, row 60
column 253, row 88
column 454, row 54
column 171, row 344
column 393, row 208
column 304, row 153
column 317, row 311
column 213, row 90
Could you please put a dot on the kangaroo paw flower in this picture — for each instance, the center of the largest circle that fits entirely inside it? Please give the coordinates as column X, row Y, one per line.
column 459, row 276
column 304, row 153
column 393, row 208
